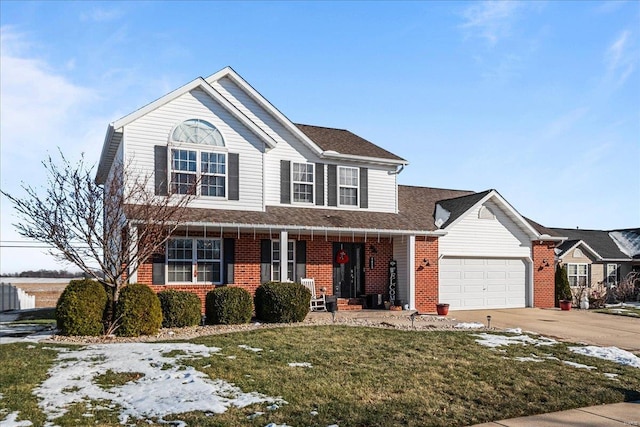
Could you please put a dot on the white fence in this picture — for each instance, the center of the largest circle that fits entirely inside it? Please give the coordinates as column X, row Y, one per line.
column 12, row 298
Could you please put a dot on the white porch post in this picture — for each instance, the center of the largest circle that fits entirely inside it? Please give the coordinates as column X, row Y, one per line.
column 411, row 273
column 284, row 255
column 133, row 242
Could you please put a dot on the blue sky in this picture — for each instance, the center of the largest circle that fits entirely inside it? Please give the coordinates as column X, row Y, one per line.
column 539, row 100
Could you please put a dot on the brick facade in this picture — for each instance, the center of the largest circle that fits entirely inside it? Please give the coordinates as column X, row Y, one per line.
column 426, row 276
column 543, row 274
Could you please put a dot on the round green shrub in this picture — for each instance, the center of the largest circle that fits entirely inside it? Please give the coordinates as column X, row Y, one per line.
column 138, row 311
column 282, row 302
column 228, row 305
column 81, row 307
column 179, row 309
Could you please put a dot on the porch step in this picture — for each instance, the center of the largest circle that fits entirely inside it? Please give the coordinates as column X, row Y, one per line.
column 345, row 304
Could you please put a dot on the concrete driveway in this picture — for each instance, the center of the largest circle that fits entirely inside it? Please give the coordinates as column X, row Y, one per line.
column 575, row 325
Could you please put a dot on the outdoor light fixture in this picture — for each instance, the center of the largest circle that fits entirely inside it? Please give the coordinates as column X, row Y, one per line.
column 426, row 262
column 545, row 263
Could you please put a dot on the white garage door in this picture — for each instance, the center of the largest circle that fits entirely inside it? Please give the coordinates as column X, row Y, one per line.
column 476, row 283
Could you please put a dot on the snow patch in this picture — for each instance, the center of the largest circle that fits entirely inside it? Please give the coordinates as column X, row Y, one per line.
column 473, row 325
column 627, row 241
column 301, row 364
column 532, row 358
column 493, row 341
column 246, row 347
column 613, row 354
column 157, row 393
column 578, row 365
column 10, row 421
column 610, row 375
column 517, row 331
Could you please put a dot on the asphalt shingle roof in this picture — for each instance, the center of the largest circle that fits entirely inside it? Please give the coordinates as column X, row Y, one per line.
column 459, row 205
column 598, row 240
column 344, row 142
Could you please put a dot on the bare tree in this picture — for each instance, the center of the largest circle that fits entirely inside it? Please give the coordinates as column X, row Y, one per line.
column 114, row 227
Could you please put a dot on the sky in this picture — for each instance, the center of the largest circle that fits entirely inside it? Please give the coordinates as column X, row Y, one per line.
column 538, row 100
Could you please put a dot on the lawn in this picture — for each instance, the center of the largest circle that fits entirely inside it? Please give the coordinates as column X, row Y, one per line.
column 627, row 310
column 349, row 376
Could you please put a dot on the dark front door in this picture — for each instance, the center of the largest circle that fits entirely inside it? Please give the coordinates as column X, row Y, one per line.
column 348, row 277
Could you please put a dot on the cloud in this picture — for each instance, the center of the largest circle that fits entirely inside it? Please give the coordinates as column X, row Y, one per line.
column 100, row 15
column 491, row 20
column 621, row 58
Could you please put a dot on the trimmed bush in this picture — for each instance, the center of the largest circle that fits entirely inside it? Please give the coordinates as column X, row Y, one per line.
column 138, row 311
column 179, row 309
column 80, row 308
column 281, row 302
column 563, row 289
column 228, row 305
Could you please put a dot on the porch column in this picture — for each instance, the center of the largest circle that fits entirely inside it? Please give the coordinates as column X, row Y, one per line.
column 284, row 255
column 133, row 242
column 411, row 273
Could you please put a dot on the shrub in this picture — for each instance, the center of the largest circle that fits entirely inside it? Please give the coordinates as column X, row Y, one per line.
column 563, row 290
column 228, row 305
column 179, row 309
column 282, row 302
column 81, row 307
column 138, row 311
column 629, row 288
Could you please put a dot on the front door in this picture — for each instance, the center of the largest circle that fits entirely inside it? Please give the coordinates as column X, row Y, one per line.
column 348, row 271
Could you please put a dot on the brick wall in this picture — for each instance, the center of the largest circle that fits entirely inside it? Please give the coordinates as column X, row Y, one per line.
column 543, row 275
column 426, row 276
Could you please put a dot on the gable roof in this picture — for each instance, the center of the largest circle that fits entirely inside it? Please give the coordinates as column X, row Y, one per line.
column 597, row 241
column 418, row 204
column 344, row 142
column 459, row 205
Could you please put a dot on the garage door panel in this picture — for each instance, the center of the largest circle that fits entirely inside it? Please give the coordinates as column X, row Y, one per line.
column 475, row 283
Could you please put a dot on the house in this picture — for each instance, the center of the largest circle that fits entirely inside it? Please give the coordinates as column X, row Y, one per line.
column 598, row 257
column 282, row 201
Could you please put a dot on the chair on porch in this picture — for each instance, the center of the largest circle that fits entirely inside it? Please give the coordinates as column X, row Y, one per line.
column 317, row 303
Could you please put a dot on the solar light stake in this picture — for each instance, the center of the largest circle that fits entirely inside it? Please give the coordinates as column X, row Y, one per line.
column 333, row 314
column 488, row 322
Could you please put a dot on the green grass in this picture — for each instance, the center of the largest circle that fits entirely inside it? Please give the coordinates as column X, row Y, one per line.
column 362, row 377
column 112, row 379
column 48, row 314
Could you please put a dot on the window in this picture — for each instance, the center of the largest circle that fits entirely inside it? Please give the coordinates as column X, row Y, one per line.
column 206, row 259
column 302, row 182
column 486, row 213
column 196, row 131
column 578, row 274
column 211, row 169
column 276, row 259
column 348, row 186
column 612, row 274
column 577, row 253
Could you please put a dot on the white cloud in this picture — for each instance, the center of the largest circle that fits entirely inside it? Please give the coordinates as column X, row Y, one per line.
column 621, row 58
column 491, row 20
column 100, row 15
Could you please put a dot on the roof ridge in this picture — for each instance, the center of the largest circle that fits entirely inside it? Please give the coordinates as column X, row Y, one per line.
column 435, row 188
column 323, row 127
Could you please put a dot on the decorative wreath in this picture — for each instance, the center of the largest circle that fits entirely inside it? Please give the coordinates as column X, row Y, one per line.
column 342, row 257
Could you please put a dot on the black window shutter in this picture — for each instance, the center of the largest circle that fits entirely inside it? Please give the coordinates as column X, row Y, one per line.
column 265, row 260
column 319, row 184
column 229, row 251
column 234, row 176
column 332, row 185
column 160, row 168
column 301, row 260
column 364, row 187
column 285, row 181
column 157, row 272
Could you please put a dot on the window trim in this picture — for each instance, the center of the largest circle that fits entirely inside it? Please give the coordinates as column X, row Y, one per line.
column 289, row 261
column 339, row 186
column 194, row 261
column 607, row 275
column 199, row 149
column 578, row 275
column 312, row 184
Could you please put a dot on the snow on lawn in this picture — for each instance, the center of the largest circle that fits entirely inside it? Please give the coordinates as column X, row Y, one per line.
column 613, row 354
column 164, row 387
column 578, row 365
column 301, row 364
column 493, row 341
column 474, row 325
column 246, row 347
column 10, row 421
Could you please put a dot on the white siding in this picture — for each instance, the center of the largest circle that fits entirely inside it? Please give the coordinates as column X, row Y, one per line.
column 474, row 237
column 154, row 129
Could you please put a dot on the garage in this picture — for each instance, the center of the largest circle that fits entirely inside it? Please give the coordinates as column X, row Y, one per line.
column 480, row 283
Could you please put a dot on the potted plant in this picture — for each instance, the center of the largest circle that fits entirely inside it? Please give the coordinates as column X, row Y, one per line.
column 442, row 309
column 564, row 296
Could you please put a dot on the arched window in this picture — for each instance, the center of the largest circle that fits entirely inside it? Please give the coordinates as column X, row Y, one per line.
column 196, row 131
column 486, row 213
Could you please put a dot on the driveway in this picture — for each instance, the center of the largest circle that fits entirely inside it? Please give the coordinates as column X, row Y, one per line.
column 575, row 325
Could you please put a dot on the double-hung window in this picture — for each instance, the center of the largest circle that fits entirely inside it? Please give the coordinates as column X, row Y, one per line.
column 184, row 256
column 578, row 274
column 348, row 186
column 612, row 274
column 277, row 258
column 211, row 170
column 302, row 182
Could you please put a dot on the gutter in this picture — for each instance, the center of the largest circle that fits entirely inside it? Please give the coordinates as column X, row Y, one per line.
column 330, row 154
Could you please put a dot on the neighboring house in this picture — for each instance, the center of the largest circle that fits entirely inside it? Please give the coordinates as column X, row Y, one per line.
column 283, row 201
column 598, row 257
